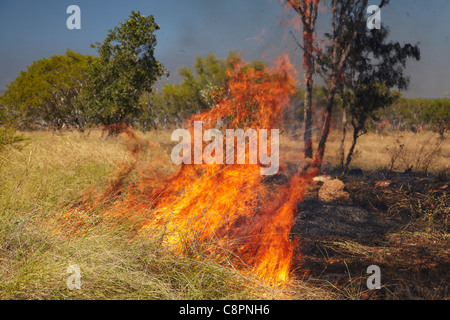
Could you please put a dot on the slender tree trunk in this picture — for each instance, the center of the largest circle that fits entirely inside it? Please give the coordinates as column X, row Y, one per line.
column 344, row 133
column 148, row 114
column 308, row 65
column 308, row 13
column 144, row 126
column 318, row 159
column 352, row 149
column 307, row 137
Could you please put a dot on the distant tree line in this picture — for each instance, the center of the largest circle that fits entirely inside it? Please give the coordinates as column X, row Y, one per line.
column 52, row 92
column 363, row 75
column 403, row 114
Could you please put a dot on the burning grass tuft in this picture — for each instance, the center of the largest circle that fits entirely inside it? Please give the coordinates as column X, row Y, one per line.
column 42, row 182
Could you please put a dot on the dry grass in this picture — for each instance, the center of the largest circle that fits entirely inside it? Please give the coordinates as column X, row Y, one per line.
column 374, row 152
column 39, row 182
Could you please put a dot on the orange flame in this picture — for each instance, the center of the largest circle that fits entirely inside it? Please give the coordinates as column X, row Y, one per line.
column 228, row 210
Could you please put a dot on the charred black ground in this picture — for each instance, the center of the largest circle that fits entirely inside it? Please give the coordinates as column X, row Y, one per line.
column 382, row 224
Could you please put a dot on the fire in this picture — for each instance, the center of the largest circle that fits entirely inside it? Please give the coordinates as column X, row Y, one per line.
column 226, row 210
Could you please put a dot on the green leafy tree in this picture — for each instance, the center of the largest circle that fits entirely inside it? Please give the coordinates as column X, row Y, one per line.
column 413, row 113
column 373, row 68
column 208, row 76
column 437, row 113
column 49, row 91
column 126, row 68
column 347, row 25
column 196, row 92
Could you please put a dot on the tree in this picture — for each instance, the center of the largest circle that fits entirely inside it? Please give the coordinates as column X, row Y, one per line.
column 294, row 116
column 49, row 90
column 371, row 70
column 307, row 9
column 125, row 69
column 437, row 113
column 193, row 94
column 344, row 14
column 347, row 22
column 197, row 91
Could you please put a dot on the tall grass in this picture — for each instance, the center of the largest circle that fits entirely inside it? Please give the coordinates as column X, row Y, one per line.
column 8, row 137
column 425, row 152
column 41, row 181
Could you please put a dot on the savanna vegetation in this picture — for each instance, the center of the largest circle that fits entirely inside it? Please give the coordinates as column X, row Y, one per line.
column 61, row 144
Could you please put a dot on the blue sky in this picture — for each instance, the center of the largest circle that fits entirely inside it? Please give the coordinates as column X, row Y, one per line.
column 31, row 30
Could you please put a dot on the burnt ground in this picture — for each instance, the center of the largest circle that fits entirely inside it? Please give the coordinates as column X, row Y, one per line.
column 379, row 225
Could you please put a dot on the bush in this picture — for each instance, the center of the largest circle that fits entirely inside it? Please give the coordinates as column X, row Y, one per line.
column 8, row 137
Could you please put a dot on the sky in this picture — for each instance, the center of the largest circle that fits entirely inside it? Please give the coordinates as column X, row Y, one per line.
column 34, row 29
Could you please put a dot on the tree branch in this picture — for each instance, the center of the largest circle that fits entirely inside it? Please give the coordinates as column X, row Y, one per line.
column 296, row 41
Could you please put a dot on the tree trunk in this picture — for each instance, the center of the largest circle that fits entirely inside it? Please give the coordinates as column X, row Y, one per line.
column 344, row 133
column 308, row 13
column 149, row 113
column 144, row 126
column 308, row 64
column 307, row 137
column 352, row 149
column 318, row 159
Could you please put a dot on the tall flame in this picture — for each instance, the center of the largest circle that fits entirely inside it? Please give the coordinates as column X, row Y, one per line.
column 228, row 210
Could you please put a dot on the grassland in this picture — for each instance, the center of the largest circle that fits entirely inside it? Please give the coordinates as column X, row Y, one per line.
column 375, row 152
column 48, row 173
